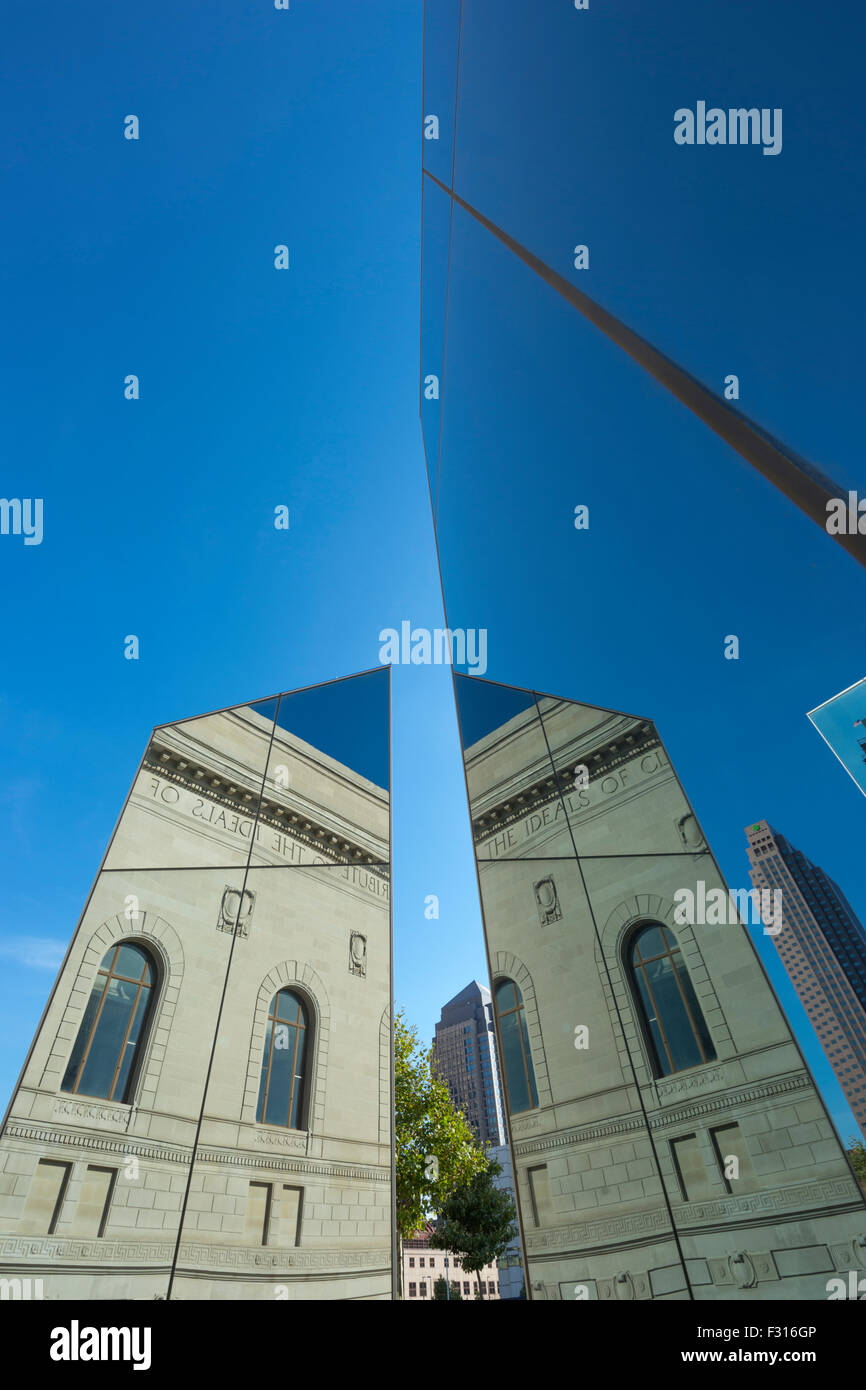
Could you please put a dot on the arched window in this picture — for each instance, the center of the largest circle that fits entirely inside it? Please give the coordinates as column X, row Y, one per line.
column 672, row 1018
column 516, row 1057
column 114, row 1028
column 284, row 1064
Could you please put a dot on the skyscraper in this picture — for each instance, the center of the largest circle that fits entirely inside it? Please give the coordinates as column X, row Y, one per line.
column 205, row 1111
column 822, row 946
column 464, row 1050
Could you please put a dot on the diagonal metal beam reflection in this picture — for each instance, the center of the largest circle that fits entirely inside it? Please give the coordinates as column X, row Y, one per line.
column 803, row 484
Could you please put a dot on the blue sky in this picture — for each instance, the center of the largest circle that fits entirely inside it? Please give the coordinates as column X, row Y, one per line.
column 258, row 388
column 729, row 261
column 262, row 388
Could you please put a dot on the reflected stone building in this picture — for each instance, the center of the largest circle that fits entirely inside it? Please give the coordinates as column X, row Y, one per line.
column 205, row 1112
column 668, row 1140
column 510, row 1262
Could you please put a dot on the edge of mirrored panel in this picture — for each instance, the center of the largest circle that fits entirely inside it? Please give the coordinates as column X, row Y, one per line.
column 195, row 798
column 326, row 795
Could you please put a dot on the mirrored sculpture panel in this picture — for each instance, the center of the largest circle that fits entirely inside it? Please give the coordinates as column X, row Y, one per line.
column 215, row 1058
column 101, row 1130
column 656, row 1097
column 325, row 797
column 196, row 797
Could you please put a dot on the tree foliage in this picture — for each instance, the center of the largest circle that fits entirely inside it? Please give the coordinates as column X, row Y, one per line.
column 441, row 1293
column 476, row 1221
column 857, row 1156
column 436, row 1149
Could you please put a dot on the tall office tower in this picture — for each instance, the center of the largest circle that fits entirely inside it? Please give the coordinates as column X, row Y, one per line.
column 205, row 1109
column 464, row 1051
column 823, row 948
column 668, row 1140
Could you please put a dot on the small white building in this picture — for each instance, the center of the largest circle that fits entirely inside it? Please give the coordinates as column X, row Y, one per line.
column 423, row 1265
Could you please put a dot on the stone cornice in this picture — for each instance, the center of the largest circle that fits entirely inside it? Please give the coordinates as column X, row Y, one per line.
column 129, row 1253
column 123, row 1146
column 235, row 1257
column 591, row 1233
column 194, row 777
column 638, row 738
column 610, row 755
column 807, row 1198
column 723, row 1100
column 329, row 1168
column 581, row 1135
column 731, row 1098
column 93, row 1140
column 133, row 1253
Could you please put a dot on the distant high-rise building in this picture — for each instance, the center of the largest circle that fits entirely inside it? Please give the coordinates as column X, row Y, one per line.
column 464, row 1051
column 822, row 946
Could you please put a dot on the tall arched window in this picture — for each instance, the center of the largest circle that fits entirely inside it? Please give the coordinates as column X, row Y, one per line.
column 519, row 1076
column 114, row 1028
column 284, row 1064
column 672, row 1017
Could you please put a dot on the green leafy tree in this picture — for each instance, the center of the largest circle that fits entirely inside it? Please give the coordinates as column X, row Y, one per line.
column 477, row 1221
column 436, row 1149
column 857, row 1155
column 441, row 1293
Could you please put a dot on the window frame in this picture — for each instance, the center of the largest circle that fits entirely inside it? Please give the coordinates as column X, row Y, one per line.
column 525, row 1044
column 308, row 1027
column 631, row 973
column 151, row 1004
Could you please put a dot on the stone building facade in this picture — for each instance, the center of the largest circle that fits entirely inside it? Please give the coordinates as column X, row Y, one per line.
column 205, row 1110
column 668, row 1139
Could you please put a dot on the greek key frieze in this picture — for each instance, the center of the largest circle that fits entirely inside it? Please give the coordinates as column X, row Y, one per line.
column 593, row 1232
